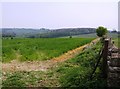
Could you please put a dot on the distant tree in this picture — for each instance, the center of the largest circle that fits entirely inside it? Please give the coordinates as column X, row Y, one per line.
column 114, row 31
column 7, row 34
column 70, row 36
column 101, row 31
column 11, row 37
column 31, row 36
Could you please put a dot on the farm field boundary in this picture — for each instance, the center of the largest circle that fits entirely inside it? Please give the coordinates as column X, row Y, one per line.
column 44, row 65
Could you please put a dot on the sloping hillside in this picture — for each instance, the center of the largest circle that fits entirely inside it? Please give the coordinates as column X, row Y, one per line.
column 66, row 32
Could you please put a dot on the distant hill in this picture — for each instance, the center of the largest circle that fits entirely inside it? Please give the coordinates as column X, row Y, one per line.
column 67, row 32
column 22, row 32
column 45, row 33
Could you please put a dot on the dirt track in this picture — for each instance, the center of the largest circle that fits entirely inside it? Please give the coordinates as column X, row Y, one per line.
column 43, row 65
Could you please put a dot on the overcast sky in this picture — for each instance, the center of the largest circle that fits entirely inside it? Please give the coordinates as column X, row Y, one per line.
column 59, row 14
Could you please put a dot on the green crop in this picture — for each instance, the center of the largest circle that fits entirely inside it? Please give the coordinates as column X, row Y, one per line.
column 38, row 48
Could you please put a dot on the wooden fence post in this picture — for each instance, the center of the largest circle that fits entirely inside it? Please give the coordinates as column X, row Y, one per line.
column 104, row 62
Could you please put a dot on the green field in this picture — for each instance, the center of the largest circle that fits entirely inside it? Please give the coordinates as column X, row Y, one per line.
column 92, row 35
column 38, row 48
column 117, row 42
column 74, row 72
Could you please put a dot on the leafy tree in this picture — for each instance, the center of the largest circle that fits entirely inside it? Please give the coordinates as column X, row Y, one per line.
column 101, row 31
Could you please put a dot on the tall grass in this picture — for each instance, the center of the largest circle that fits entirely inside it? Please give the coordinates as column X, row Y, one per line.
column 117, row 42
column 77, row 71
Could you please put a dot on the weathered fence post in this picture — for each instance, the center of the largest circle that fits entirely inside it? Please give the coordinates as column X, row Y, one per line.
column 105, row 55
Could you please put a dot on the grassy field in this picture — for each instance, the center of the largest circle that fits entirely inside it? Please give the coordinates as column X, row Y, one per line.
column 26, row 49
column 92, row 35
column 76, row 72
column 71, row 73
column 117, row 42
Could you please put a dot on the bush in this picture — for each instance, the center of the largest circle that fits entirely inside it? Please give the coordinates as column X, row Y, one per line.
column 101, row 31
